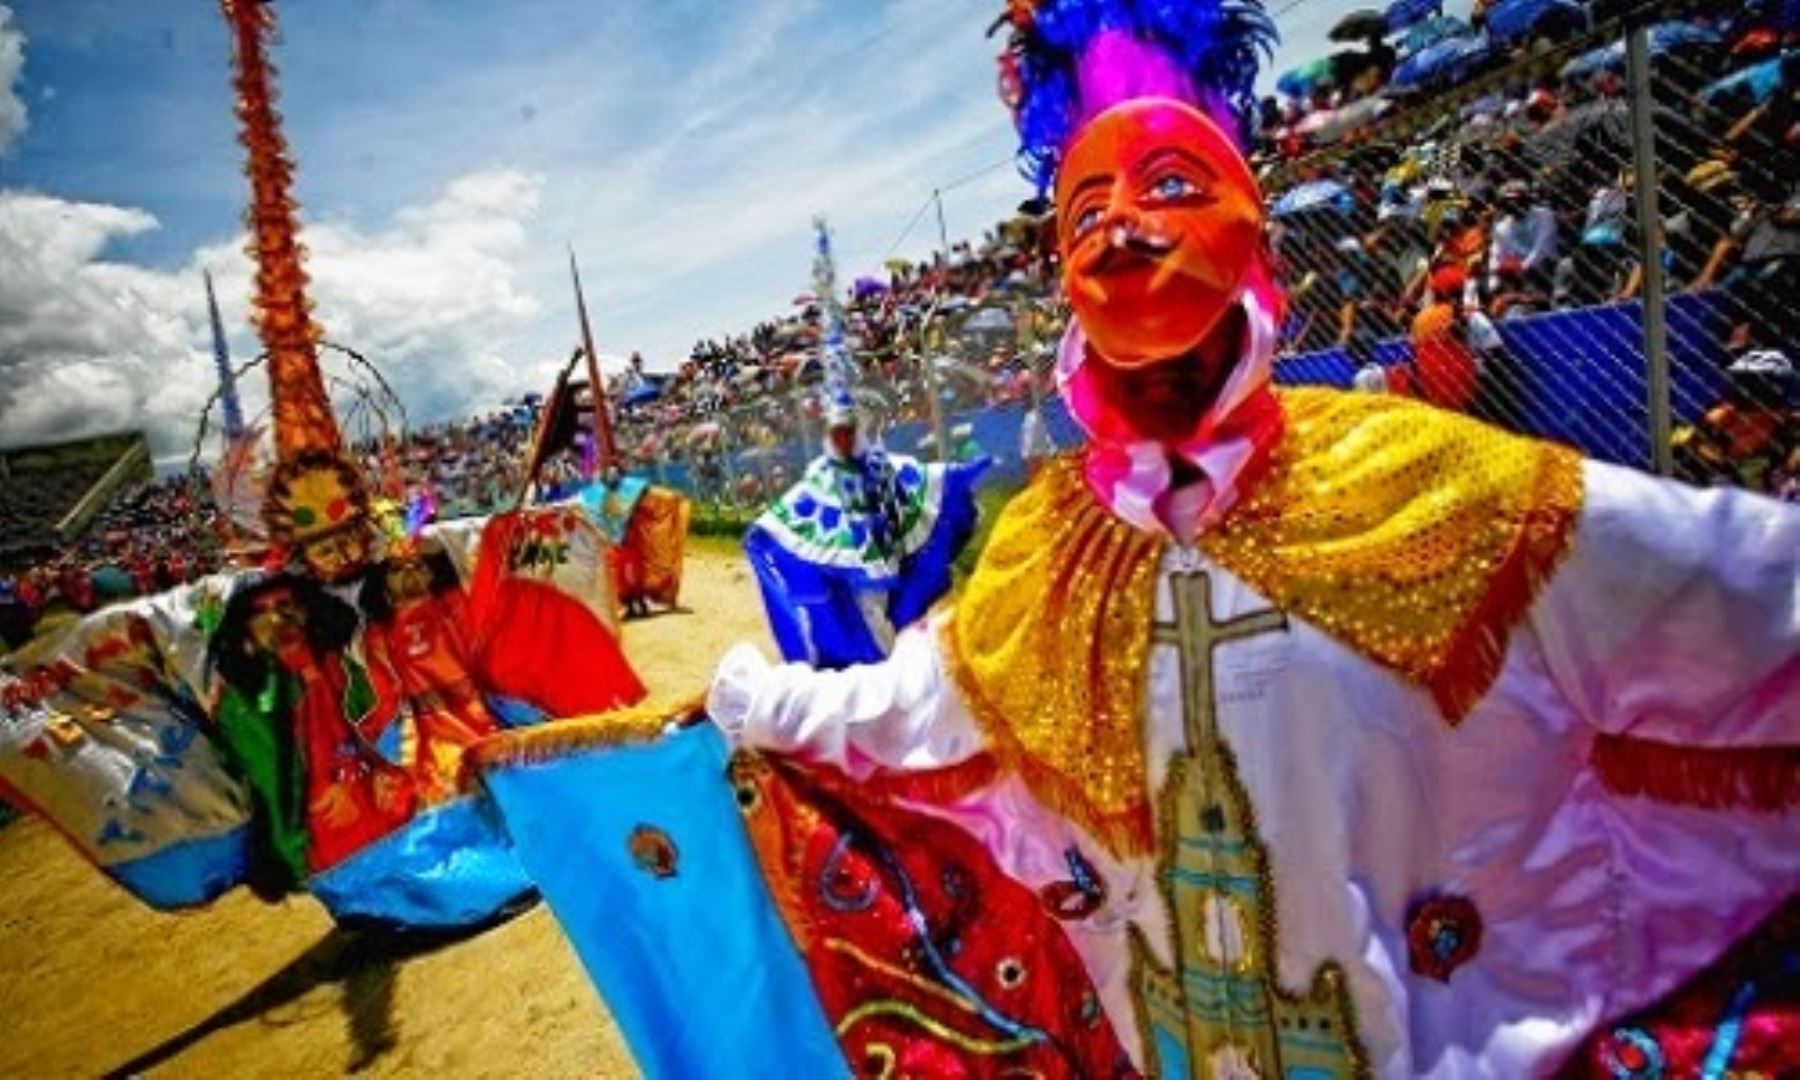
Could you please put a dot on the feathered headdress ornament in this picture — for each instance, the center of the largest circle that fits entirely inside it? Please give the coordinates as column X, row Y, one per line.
column 1067, row 61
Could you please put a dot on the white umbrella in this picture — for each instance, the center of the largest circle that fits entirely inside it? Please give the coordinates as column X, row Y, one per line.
column 989, row 320
column 1359, row 113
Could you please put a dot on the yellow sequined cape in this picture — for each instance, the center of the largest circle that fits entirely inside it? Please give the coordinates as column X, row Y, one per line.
column 1417, row 537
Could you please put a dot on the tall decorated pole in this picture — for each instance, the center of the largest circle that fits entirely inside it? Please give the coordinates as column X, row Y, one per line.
column 282, row 313
column 834, row 353
column 228, row 398
column 603, row 433
column 317, row 503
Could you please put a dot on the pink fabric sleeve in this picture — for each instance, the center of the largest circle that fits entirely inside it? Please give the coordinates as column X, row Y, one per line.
column 1676, row 617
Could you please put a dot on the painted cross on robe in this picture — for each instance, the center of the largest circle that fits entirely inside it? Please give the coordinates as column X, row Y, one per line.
column 1195, row 636
column 1216, row 1006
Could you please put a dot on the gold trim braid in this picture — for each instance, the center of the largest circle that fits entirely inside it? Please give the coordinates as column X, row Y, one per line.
column 1048, row 645
column 634, row 726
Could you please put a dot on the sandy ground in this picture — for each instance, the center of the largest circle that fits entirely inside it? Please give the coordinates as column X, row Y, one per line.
column 91, row 982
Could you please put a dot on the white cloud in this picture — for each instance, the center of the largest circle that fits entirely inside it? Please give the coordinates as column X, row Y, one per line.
column 13, row 120
column 685, row 181
column 89, row 345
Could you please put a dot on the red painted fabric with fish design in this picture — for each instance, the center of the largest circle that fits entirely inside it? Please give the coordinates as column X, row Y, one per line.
column 928, row 959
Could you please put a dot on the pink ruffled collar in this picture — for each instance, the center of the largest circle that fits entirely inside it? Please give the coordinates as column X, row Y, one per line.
column 1131, row 474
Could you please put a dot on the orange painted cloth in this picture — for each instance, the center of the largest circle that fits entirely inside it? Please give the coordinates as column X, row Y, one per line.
column 353, row 797
column 426, row 648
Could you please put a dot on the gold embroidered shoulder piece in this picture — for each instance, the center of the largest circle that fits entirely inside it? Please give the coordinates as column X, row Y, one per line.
column 1048, row 645
column 1415, row 536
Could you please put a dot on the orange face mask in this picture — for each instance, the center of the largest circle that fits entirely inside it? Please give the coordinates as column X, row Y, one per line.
column 1158, row 223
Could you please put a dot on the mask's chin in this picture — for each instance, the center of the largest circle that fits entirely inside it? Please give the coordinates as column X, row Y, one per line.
column 1164, row 400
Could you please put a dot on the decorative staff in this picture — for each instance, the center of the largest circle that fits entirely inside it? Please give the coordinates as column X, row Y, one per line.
column 228, row 398
column 603, row 433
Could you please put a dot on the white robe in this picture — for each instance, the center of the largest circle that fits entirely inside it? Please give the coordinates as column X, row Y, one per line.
column 1675, row 617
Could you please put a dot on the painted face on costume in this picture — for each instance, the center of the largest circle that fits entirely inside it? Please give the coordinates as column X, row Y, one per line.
column 1158, row 222
column 337, row 556
column 408, row 581
column 275, row 620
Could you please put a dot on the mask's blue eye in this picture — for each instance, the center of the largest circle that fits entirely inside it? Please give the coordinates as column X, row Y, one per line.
column 1086, row 222
column 1172, row 187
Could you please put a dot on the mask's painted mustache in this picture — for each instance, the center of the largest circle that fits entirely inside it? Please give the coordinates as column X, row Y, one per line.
column 1126, row 247
column 1123, row 236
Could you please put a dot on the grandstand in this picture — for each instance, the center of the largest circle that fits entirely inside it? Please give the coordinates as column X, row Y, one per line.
column 1457, row 193
column 49, row 494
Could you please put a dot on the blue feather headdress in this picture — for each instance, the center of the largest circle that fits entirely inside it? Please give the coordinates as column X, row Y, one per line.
column 1066, row 61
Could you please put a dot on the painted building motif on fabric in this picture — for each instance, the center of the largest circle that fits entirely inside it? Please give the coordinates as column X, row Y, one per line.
column 1221, row 1011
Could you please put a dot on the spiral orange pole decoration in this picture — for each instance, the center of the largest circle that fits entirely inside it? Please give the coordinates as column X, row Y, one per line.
column 283, row 315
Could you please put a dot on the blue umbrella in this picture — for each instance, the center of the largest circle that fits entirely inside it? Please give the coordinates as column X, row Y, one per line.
column 1313, row 195
column 112, row 583
column 1513, row 20
column 1445, row 62
column 1431, row 31
column 1664, row 37
column 1587, row 63
column 1403, row 13
column 1759, row 81
column 642, row 392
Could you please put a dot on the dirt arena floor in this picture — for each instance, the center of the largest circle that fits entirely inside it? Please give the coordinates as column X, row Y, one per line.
column 93, row 983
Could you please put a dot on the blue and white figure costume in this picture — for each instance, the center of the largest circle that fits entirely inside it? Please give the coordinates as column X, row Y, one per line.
column 861, row 547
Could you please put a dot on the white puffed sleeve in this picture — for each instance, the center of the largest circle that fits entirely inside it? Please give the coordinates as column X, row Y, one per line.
column 901, row 715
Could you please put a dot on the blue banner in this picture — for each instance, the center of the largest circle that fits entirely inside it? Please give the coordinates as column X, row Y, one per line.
column 611, row 510
column 1579, row 377
column 641, row 853
column 449, row 867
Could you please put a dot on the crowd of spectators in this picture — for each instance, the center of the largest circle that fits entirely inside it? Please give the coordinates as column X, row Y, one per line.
column 742, row 389
column 1514, row 195
column 468, row 467
column 1521, row 201
column 153, row 537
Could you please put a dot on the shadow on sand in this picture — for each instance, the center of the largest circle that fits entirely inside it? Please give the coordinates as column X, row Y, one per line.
column 363, row 960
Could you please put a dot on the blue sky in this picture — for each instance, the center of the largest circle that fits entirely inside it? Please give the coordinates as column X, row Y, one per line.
column 447, row 153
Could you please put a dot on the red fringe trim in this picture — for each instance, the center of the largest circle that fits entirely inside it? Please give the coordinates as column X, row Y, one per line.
column 1477, row 651
column 1717, row 778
